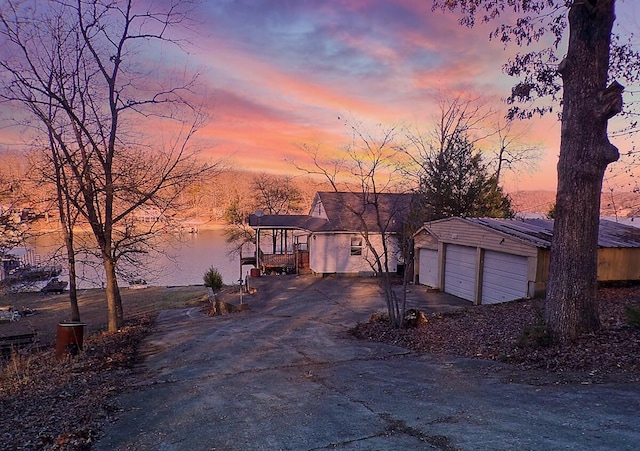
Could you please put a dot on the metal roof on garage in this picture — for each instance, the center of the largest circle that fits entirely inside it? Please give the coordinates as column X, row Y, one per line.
column 540, row 231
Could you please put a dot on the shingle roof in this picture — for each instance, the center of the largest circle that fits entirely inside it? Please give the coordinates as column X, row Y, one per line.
column 540, row 231
column 346, row 211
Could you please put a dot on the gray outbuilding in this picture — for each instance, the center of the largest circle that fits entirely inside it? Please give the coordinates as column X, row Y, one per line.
column 486, row 260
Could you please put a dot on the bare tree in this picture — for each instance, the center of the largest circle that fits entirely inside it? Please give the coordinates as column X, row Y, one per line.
column 369, row 171
column 508, row 149
column 73, row 66
column 51, row 170
column 482, row 125
column 237, row 230
column 12, row 176
column 449, row 173
column 12, row 230
column 276, row 195
column 459, row 115
column 456, row 116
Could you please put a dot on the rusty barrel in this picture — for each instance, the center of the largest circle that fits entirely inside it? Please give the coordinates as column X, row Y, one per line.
column 69, row 338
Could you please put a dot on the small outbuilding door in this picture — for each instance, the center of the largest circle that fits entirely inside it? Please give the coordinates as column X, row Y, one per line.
column 428, row 271
column 504, row 277
column 460, row 271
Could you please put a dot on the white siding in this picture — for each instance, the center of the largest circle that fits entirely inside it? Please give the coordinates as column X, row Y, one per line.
column 504, row 277
column 460, row 271
column 428, row 274
column 331, row 253
column 322, row 254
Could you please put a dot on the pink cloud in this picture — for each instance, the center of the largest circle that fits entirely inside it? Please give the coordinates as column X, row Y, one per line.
column 279, row 76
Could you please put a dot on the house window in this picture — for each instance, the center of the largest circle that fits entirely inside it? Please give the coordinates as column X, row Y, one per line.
column 356, row 245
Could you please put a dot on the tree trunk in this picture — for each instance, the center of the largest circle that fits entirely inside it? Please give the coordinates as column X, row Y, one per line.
column 66, row 223
column 71, row 267
column 571, row 305
column 114, row 301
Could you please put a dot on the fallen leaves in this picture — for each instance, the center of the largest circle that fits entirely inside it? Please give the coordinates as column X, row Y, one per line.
column 47, row 404
column 508, row 333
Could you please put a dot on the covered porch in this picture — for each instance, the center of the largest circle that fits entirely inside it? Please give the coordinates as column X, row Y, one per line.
column 282, row 243
column 295, row 261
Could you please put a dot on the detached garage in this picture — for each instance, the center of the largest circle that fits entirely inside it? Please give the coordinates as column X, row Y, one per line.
column 505, row 277
column 460, row 271
column 497, row 260
column 428, row 270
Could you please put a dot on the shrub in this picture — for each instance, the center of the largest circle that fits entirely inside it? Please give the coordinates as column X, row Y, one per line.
column 633, row 315
column 379, row 317
column 534, row 336
column 213, row 279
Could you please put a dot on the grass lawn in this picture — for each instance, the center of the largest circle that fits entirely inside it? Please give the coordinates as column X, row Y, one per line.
column 52, row 309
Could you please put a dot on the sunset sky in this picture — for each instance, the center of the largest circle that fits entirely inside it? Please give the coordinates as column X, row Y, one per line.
column 280, row 73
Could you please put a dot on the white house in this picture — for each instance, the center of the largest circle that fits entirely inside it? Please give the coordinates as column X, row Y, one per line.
column 332, row 238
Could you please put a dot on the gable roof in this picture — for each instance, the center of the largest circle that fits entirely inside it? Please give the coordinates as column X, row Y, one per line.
column 346, row 211
column 539, row 232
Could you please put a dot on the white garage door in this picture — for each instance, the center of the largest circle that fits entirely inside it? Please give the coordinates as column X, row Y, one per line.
column 460, row 271
column 504, row 277
column 428, row 271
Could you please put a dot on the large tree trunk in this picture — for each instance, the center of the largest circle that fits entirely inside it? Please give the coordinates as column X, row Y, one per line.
column 585, row 151
column 114, row 301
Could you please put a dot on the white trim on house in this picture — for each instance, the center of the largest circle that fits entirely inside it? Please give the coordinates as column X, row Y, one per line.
column 317, row 209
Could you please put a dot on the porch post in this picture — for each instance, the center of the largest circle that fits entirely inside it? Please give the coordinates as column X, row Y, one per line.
column 258, row 248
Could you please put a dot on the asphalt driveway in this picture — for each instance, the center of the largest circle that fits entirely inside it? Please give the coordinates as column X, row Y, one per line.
column 286, row 375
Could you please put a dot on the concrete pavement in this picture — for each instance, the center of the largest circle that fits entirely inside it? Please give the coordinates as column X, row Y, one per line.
column 286, row 375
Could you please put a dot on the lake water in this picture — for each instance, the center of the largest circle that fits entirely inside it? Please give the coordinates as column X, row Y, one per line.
column 191, row 258
column 182, row 262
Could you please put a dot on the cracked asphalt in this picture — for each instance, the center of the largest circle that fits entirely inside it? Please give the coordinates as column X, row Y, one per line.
column 286, row 375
